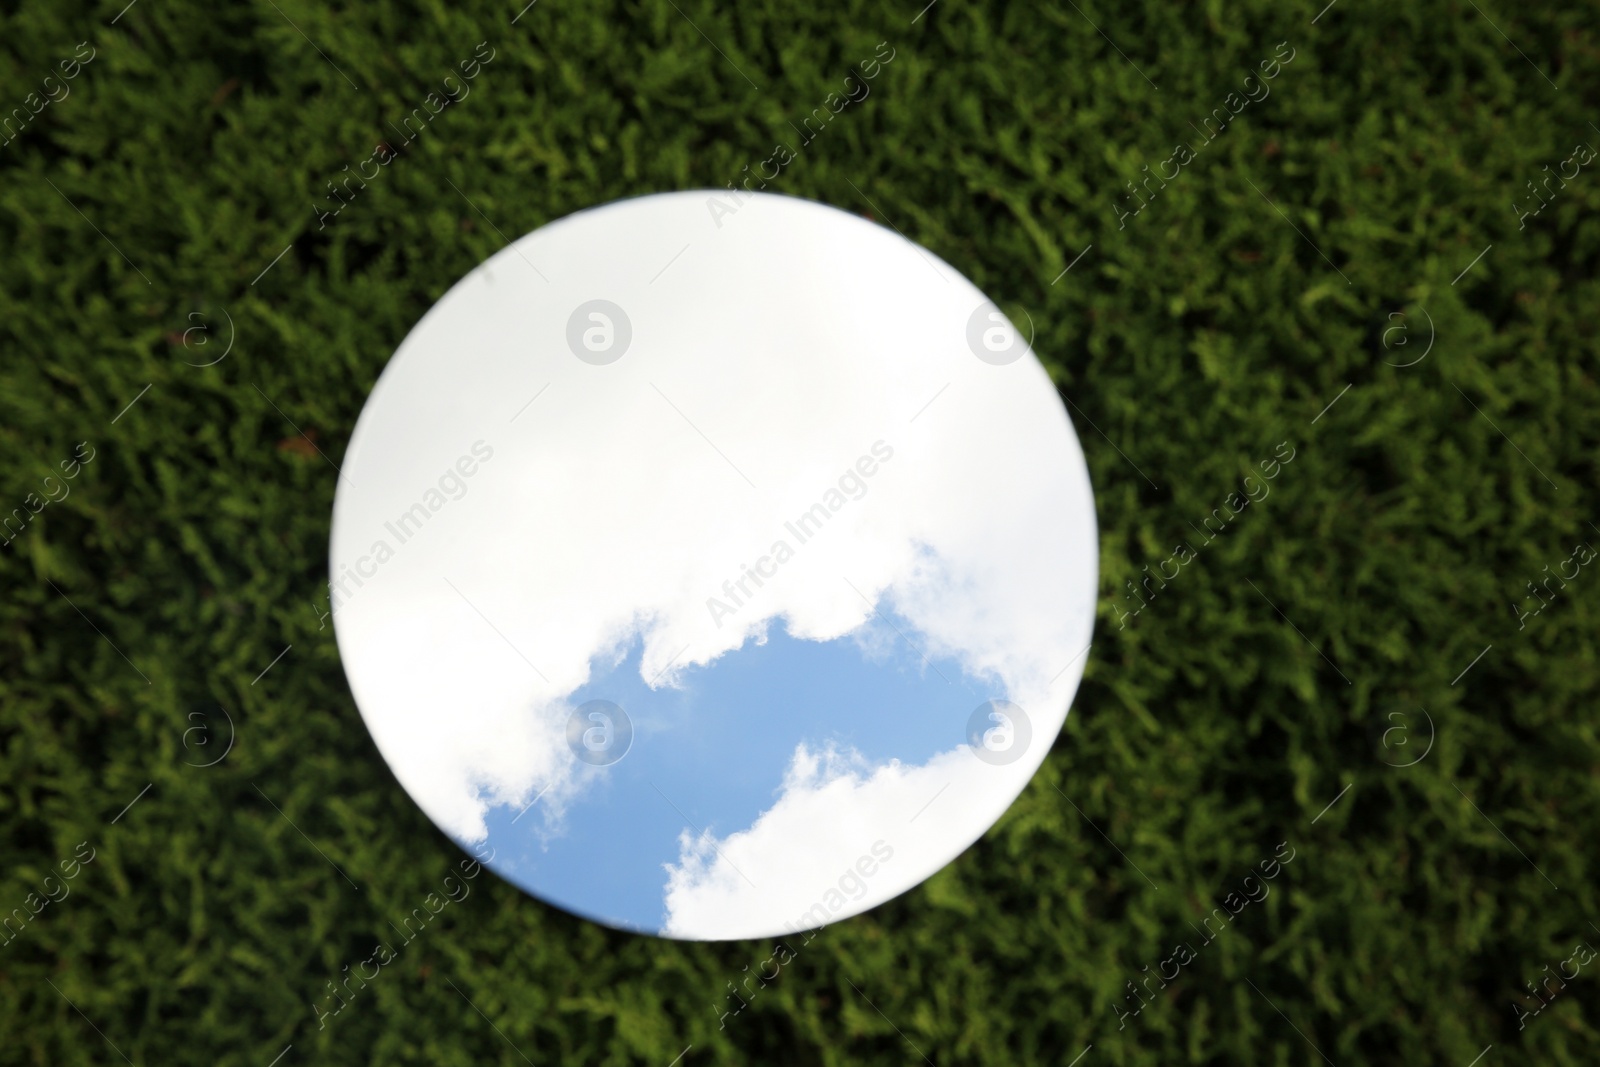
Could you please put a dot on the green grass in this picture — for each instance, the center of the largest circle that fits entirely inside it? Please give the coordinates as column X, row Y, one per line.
column 1213, row 326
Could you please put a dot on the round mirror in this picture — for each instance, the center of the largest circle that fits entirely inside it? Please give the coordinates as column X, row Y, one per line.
column 712, row 565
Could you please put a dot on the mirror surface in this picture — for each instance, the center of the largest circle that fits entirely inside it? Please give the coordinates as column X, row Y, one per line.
column 714, row 567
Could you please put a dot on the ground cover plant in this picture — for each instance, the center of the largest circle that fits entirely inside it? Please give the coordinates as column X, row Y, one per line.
column 1330, row 790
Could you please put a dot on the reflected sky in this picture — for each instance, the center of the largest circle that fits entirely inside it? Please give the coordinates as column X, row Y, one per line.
column 710, row 754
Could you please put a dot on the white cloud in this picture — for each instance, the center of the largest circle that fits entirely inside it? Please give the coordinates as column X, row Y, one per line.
column 801, row 864
column 764, row 362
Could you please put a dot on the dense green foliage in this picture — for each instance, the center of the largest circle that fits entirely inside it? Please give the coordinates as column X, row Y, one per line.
column 1285, row 262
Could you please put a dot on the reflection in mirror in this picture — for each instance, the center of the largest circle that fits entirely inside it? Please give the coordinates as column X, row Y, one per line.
column 719, row 575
